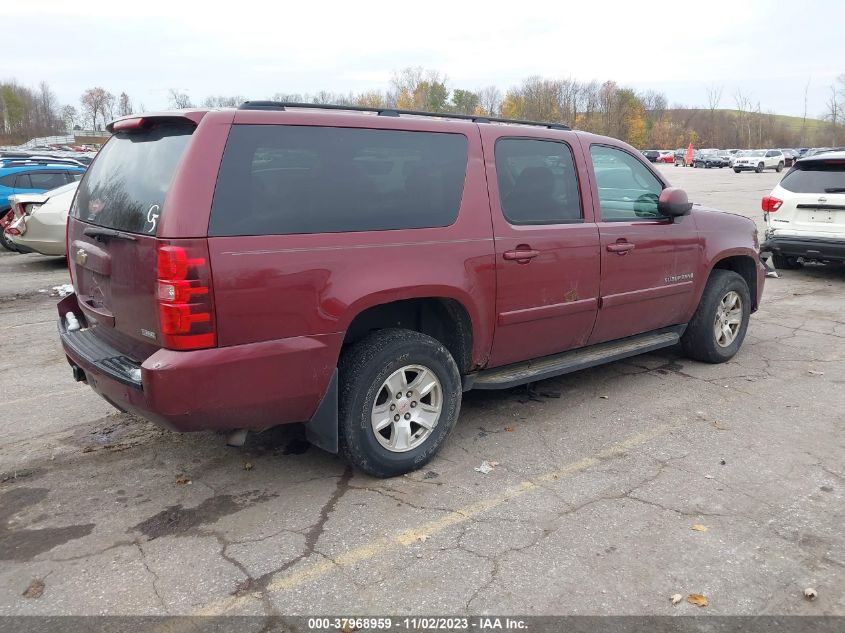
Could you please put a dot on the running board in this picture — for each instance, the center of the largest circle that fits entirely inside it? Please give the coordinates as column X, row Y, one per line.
column 567, row 362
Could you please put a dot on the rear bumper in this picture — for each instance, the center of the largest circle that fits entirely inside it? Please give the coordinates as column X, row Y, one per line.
column 809, row 248
column 253, row 386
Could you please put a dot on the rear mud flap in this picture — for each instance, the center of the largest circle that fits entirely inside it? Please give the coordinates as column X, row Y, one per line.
column 321, row 430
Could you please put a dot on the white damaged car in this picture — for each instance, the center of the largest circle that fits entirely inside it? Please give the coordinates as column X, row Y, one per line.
column 40, row 220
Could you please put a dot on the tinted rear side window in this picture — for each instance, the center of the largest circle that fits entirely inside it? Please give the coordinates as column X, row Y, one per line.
column 816, row 177
column 294, row 179
column 47, row 180
column 125, row 187
column 537, row 182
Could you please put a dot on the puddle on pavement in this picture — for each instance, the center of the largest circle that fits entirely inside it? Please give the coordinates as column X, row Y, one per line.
column 24, row 544
column 178, row 520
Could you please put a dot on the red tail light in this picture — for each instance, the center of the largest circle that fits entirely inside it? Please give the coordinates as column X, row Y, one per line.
column 185, row 299
column 771, row 204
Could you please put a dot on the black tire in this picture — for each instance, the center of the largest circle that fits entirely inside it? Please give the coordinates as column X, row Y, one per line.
column 6, row 243
column 699, row 340
column 736, row 171
column 784, row 262
column 760, row 167
column 779, row 168
column 362, row 371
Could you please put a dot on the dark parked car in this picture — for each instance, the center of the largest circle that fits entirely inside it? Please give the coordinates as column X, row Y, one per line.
column 652, row 155
column 709, row 159
column 240, row 269
column 789, row 157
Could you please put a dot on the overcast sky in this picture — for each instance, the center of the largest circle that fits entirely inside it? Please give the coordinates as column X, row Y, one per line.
column 770, row 49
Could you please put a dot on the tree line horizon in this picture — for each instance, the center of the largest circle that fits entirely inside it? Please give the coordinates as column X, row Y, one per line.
column 641, row 118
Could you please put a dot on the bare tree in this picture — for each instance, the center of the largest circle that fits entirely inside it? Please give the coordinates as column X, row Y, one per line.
column 179, row 100
column 490, row 100
column 833, row 113
column 96, row 104
column 223, row 102
column 69, row 116
column 124, row 105
column 714, row 97
column 804, row 118
column 743, row 118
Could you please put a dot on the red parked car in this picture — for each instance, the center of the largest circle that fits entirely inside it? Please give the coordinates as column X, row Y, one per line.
column 666, row 156
column 241, row 269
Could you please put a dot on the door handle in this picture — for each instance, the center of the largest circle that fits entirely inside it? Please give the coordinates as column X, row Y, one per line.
column 521, row 255
column 620, row 248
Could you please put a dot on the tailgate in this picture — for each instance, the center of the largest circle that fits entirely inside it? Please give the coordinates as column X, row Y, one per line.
column 816, row 200
column 112, row 232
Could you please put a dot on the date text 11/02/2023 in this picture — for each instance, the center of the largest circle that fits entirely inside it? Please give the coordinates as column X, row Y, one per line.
column 416, row 623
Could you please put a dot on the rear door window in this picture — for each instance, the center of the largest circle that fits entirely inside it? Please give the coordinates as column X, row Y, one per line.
column 281, row 179
column 126, row 186
column 537, row 182
column 22, row 182
column 816, row 177
column 47, row 179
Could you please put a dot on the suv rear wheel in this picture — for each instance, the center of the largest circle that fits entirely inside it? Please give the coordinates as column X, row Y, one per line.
column 717, row 329
column 779, row 168
column 400, row 395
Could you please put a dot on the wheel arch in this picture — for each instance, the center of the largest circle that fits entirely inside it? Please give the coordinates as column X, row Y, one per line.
column 444, row 318
column 744, row 265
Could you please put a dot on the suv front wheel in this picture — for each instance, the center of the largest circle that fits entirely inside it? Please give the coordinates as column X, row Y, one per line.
column 717, row 329
column 400, row 395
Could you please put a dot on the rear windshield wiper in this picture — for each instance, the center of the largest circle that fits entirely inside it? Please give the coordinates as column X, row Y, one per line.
column 835, row 190
column 102, row 234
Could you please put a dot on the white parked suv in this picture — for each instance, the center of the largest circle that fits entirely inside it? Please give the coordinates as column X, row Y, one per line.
column 805, row 213
column 759, row 159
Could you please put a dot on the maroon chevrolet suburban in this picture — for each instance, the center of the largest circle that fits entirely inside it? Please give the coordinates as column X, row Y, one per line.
column 357, row 270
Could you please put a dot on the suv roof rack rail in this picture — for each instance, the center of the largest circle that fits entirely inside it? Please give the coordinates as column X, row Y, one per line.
column 24, row 162
column 283, row 105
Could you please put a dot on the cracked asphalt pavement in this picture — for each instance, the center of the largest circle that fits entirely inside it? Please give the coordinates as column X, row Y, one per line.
column 601, row 477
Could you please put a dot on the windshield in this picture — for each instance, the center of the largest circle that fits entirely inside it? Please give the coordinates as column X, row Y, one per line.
column 758, row 152
column 125, row 187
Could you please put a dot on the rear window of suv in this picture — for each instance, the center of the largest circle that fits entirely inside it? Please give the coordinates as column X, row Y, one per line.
column 816, row 177
column 125, row 187
column 284, row 179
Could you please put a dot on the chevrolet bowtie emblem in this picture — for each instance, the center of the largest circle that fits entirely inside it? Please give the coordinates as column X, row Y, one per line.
column 81, row 257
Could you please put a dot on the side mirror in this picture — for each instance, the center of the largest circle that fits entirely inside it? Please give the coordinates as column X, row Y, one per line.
column 673, row 202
